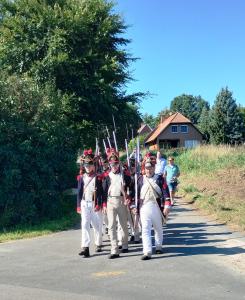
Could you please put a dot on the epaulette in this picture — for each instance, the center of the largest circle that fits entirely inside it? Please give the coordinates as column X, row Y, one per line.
column 78, row 177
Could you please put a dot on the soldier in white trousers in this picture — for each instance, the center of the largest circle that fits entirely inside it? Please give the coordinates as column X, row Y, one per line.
column 89, row 205
column 152, row 207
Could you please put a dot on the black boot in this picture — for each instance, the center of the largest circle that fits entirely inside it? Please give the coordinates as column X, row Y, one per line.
column 112, row 256
column 124, row 250
column 84, row 252
column 145, row 257
column 131, row 238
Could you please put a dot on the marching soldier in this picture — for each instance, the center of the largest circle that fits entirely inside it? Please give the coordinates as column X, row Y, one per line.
column 152, row 206
column 89, row 203
column 115, row 186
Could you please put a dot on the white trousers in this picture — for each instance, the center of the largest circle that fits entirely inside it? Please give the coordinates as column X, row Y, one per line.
column 95, row 218
column 150, row 215
column 105, row 220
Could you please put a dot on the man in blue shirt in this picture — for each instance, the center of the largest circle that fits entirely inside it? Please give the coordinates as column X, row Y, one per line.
column 171, row 173
column 160, row 164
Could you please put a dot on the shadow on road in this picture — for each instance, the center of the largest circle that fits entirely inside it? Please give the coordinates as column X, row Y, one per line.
column 186, row 239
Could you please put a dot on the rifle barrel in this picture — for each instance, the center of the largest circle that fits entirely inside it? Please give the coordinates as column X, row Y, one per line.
column 104, row 145
column 126, row 146
column 115, row 140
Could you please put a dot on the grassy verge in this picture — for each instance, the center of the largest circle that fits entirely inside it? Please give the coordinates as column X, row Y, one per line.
column 228, row 209
column 68, row 221
column 213, row 179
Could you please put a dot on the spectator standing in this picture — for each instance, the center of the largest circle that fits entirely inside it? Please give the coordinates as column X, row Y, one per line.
column 160, row 164
column 171, row 173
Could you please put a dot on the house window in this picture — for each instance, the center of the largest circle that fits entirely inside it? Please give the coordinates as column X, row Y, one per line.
column 174, row 128
column 184, row 129
column 191, row 143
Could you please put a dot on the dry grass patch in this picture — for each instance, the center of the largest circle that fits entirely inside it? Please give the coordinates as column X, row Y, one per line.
column 222, row 194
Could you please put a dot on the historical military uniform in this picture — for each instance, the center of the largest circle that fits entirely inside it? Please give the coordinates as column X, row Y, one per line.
column 115, row 186
column 151, row 204
column 89, row 204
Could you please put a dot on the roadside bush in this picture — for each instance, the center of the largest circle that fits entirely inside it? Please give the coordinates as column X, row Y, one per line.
column 37, row 151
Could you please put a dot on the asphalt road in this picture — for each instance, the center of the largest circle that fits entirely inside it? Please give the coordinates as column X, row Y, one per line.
column 201, row 260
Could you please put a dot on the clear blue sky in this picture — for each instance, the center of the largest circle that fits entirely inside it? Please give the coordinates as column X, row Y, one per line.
column 185, row 46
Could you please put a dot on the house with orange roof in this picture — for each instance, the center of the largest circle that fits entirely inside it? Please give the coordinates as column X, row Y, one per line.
column 144, row 129
column 174, row 131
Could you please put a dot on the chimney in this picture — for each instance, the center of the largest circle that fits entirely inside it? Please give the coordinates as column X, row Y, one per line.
column 162, row 119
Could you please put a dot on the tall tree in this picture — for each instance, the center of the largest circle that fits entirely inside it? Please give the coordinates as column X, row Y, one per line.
column 190, row 106
column 226, row 124
column 242, row 111
column 204, row 123
column 149, row 120
column 79, row 45
column 37, row 151
column 67, row 65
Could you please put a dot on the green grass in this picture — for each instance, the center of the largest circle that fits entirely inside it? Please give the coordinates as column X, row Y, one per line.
column 202, row 169
column 190, row 189
column 47, row 227
column 68, row 220
column 228, row 211
column 207, row 159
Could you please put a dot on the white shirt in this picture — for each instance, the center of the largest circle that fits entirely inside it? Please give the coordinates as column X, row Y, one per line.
column 160, row 166
column 150, row 190
column 89, row 187
column 116, row 187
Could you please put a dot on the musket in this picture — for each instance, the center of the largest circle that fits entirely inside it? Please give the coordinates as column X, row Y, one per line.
column 97, row 150
column 126, row 147
column 104, row 145
column 96, row 147
column 137, row 169
column 136, row 176
column 108, row 137
column 115, row 140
